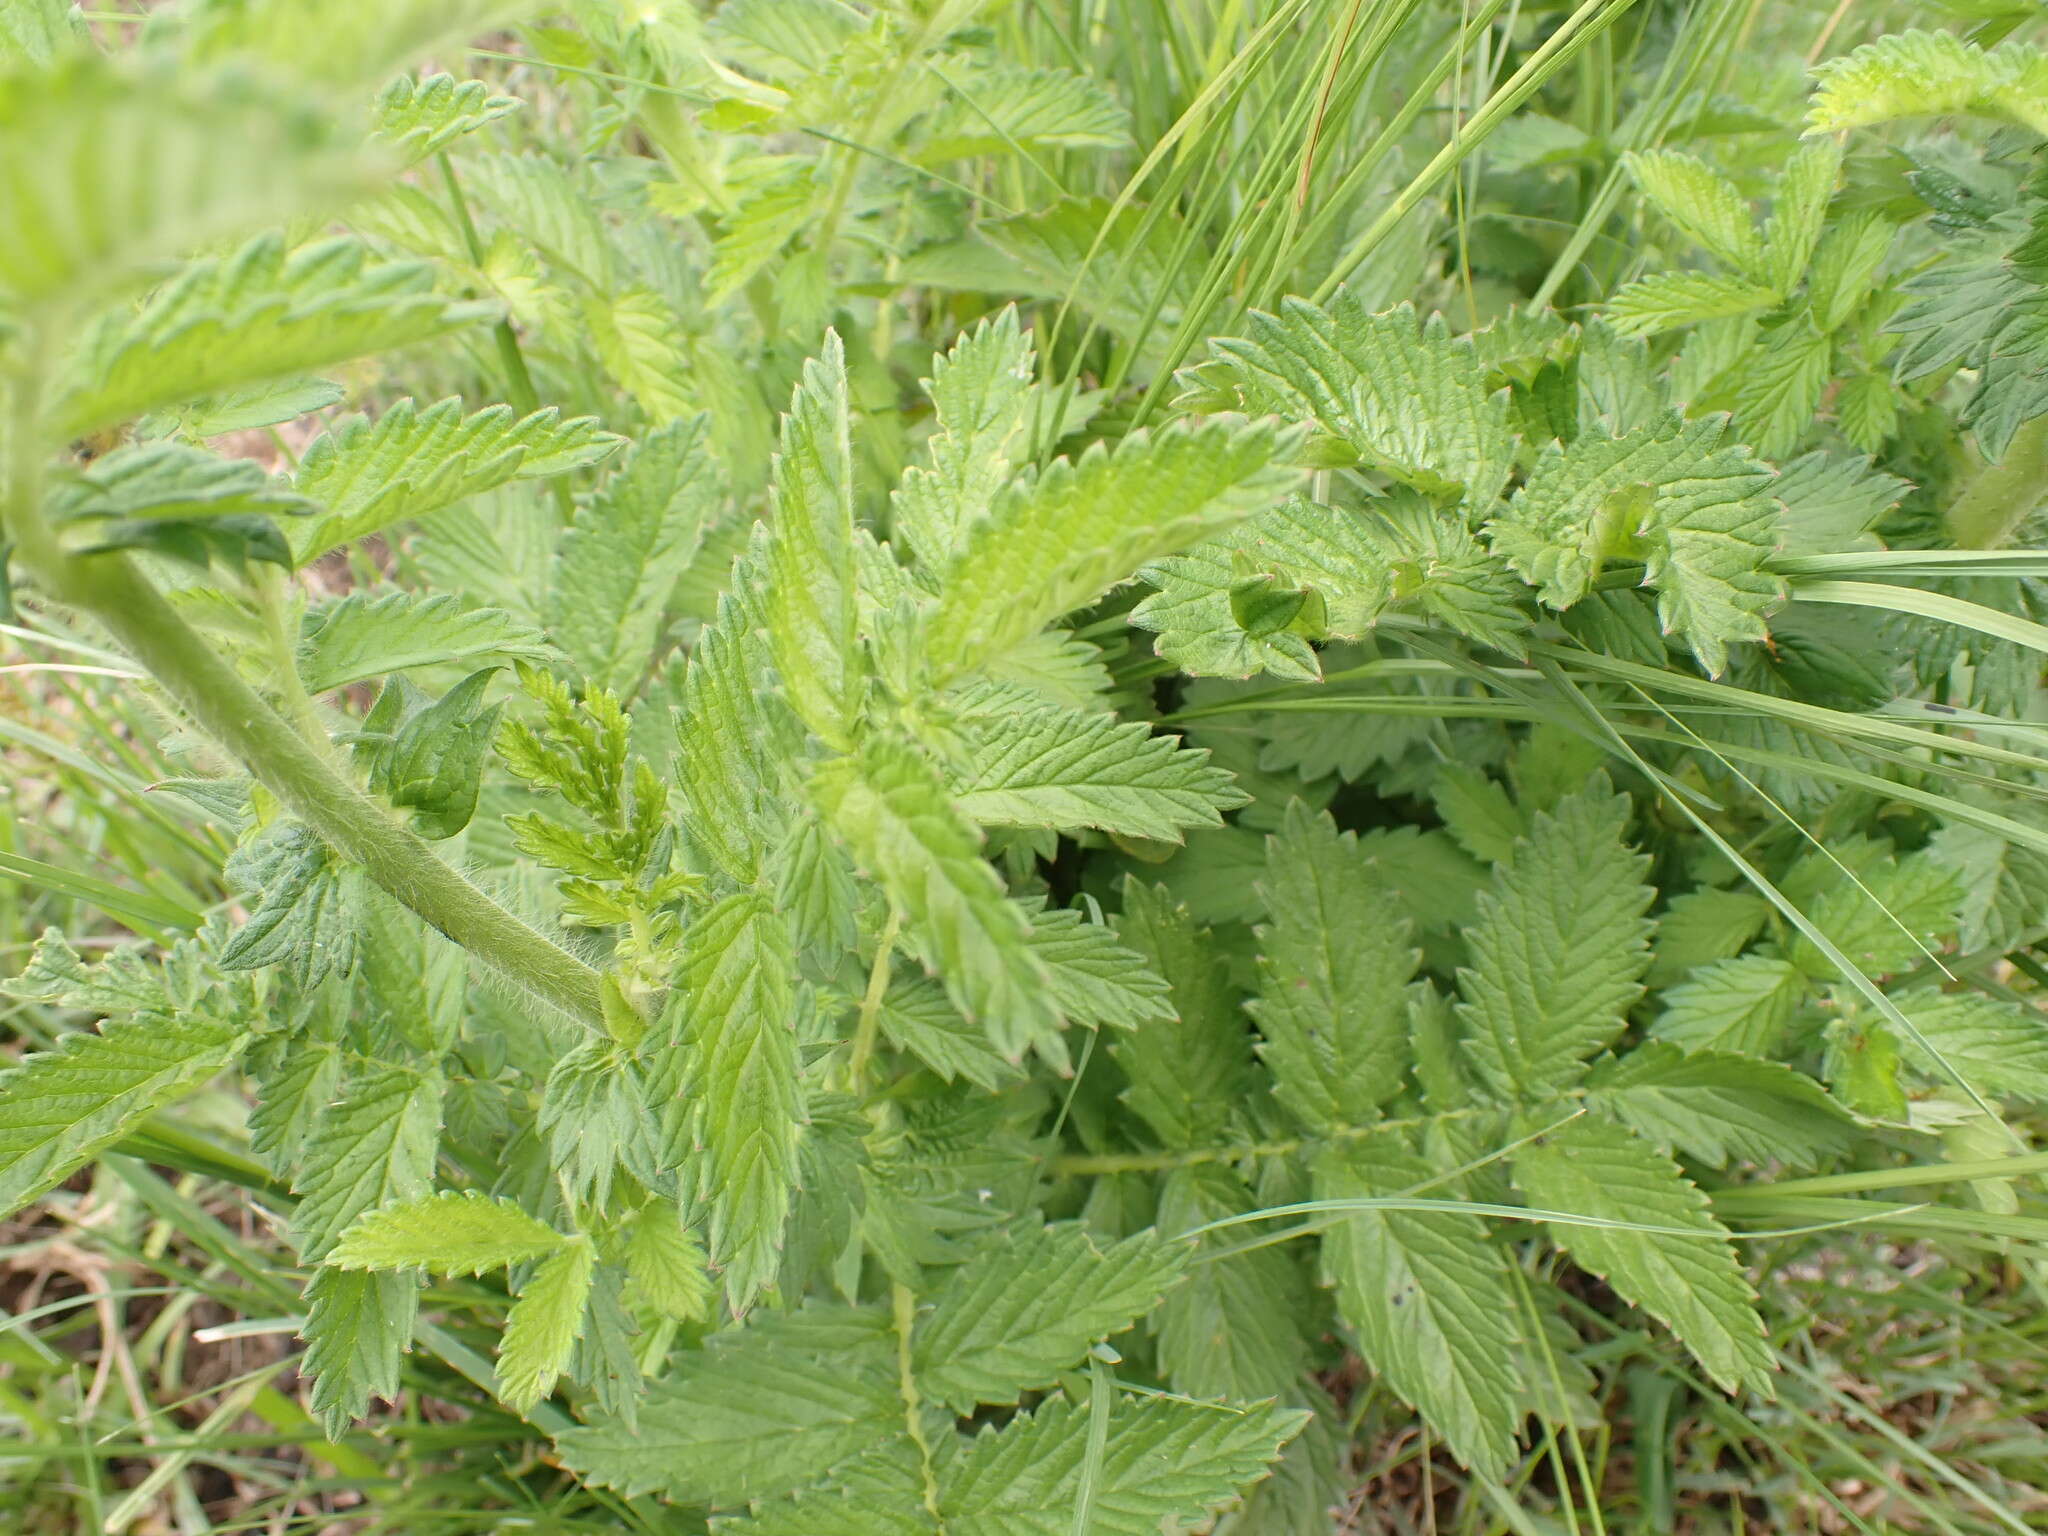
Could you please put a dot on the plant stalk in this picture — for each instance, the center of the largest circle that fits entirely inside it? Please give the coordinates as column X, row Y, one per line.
column 2002, row 496
column 205, row 686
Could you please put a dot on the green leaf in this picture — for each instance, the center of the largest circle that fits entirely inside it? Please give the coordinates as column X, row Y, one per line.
column 666, row 1264
column 810, row 607
column 1781, row 386
column 1031, row 766
column 618, row 563
column 60, row 1108
column 1704, row 205
column 1694, row 1284
column 2005, row 886
column 38, row 31
column 594, row 1114
column 1414, row 403
column 1664, row 301
column 1333, row 963
column 365, row 636
column 1696, row 513
column 450, row 1233
column 1185, row 1074
column 419, row 117
column 1929, row 74
column 542, row 1327
column 1013, row 110
column 1429, row 1298
column 757, row 1411
column 1559, row 949
column 1832, row 501
column 410, row 462
column 173, row 500
column 1300, row 545
column 1799, row 211
column 433, row 766
column 1095, row 981
column 1719, row 1107
column 1743, row 1004
column 879, row 1494
column 1061, row 538
column 888, row 805
column 1997, row 1047
column 304, row 912
column 303, row 39
column 732, row 1020
column 1233, row 1329
column 1028, row 1304
column 373, row 1146
column 357, row 1330
column 245, row 318
column 107, row 170
column 1163, row 1465
column 978, row 391
column 918, row 1017
column 1884, row 916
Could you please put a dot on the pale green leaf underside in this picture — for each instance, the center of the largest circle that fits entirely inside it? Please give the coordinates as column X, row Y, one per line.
column 454, row 1233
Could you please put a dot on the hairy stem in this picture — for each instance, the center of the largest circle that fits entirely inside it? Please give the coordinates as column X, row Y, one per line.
column 303, row 777
column 2002, row 496
column 869, row 1027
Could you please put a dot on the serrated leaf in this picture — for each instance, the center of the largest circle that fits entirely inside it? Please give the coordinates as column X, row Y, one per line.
column 1186, row 1073
column 1664, row 301
column 1694, row 1284
column 364, row 636
column 1009, row 109
column 1233, row 1329
column 1094, row 980
column 1412, row 401
column 107, row 169
column 595, row 1116
column 2005, row 886
column 727, row 760
column 1885, row 917
column 810, row 608
column 757, row 1411
column 1056, row 540
column 1697, row 513
column 258, row 314
column 1163, row 1465
column 1743, row 1004
column 1559, row 949
column 373, row 1146
column 1333, row 963
column 732, row 1019
column 1799, row 211
column 1027, row 1304
column 305, row 905
column 918, row 1017
column 411, row 462
column 890, row 808
column 978, row 391
column 1832, row 501
column 1704, row 205
column 1032, row 766
column 303, row 39
column 543, row 1324
column 1929, row 74
column 1781, row 386
column 1429, row 1298
column 431, row 763
column 1997, row 1047
column 451, row 1233
column 618, row 563
column 358, row 1327
column 1720, row 1107
column 666, row 1264
column 419, row 117
column 59, row 1108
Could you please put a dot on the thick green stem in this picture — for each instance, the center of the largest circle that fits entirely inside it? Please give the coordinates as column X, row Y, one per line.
column 2004, row 495
column 201, row 682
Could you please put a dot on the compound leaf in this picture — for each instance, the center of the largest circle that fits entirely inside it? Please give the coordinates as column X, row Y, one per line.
column 451, row 1233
